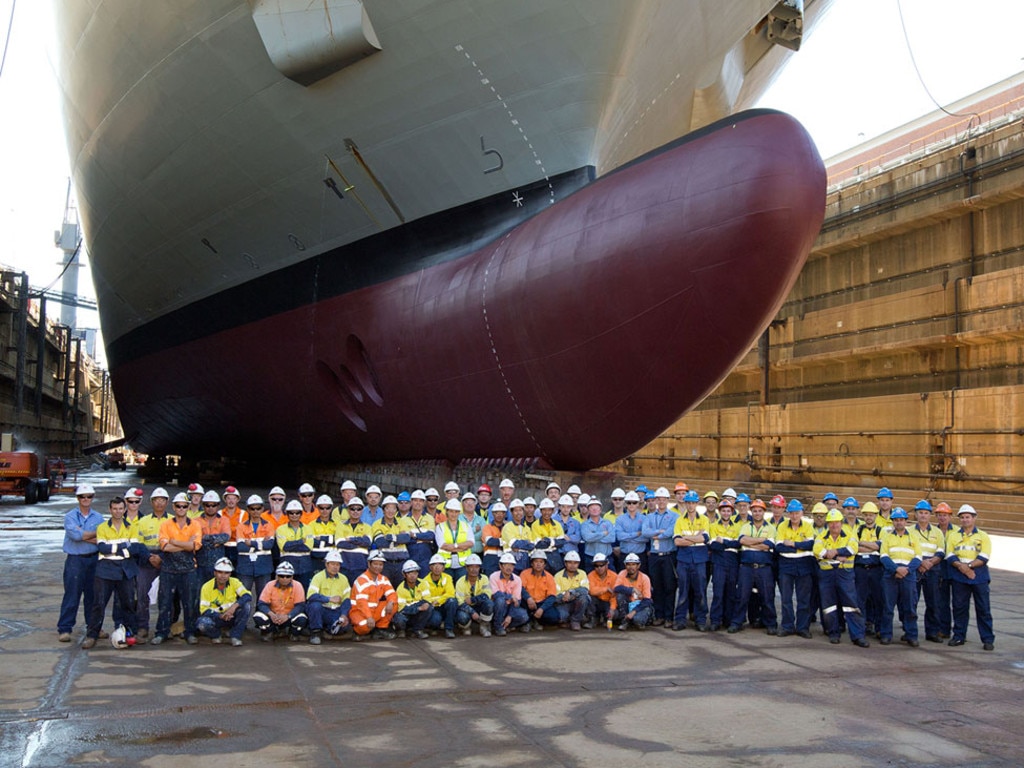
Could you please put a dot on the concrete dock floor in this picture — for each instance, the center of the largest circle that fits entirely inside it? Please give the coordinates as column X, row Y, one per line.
column 549, row 699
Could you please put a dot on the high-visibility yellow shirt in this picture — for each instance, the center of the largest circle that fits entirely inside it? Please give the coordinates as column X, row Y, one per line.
column 902, row 550
column 845, row 540
column 210, row 597
column 464, row 591
column 329, row 586
column 285, row 534
column 440, row 589
column 147, row 529
column 411, row 595
column 567, row 583
column 930, row 540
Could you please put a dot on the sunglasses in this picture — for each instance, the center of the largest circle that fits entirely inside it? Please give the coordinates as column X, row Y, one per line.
column 282, row 576
column 632, row 503
column 181, row 506
column 305, row 494
column 295, row 512
column 86, row 496
column 133, row 501
column 255, row 506
column 210, row 504
column 324, row 508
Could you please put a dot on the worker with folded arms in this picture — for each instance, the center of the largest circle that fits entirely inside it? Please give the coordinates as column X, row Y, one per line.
column 180, row 538
column 254, row 540
column 900, row 556
column 295, row 543
column 116, row 571
column 835, row 551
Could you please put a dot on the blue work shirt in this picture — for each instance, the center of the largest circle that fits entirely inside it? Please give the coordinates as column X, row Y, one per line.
column 571, row 526
column 597, row 537
column 630, row 535
column 75, row 525
column 664, row 522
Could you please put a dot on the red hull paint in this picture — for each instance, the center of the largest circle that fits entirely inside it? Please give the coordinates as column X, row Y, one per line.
column 578, row 337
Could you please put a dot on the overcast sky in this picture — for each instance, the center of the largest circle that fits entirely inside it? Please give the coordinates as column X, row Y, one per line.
column 852, row 80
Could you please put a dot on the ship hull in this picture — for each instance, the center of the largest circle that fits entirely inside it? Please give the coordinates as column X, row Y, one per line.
column 576, row 336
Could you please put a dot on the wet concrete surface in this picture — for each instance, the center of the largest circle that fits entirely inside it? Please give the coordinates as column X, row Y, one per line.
column 554, row 698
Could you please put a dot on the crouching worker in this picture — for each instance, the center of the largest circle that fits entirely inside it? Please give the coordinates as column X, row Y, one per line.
column 574, row 603
column 282, row 606
column 602, row 591
column 414, row 608
column 507, row 596
column 374, row 601
column 473, row 593
column 633, row 595
column 328, row 600
column 224, row 604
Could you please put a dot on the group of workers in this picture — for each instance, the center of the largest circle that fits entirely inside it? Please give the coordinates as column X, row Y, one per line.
column 313, row 567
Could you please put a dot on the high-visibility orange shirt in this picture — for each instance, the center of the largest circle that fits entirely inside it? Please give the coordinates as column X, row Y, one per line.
column 599, row 585
column 642, row 584
column 539, row 587
column 283, row 600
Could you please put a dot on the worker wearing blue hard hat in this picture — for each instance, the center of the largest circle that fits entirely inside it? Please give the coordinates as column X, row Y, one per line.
column 794, row 547
column 900, row 558
column 932, row 542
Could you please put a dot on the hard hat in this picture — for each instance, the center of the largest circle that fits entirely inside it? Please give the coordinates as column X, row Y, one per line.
column 159, row 493
column 196, row 488
column 546, row 503
column 211, row 497
column 453, row 504
column 306, row 488
column 498, row 507
column 539, row 554
column 565, row 500
column 869, row 508
column 778, row 500
column 923, row 504
column 285, row 569
column 830, row 497
column 834, row 516
column 418, row 494
column 758, row 503
column 409, row 566
column 404, row 496
column 632, row 496
column 277, row 490
column 551, row 485
column 583, row 500
column 473, row 559
column 849, row 501
column 431, row 492
column 376, row 556
column 966, row 509
column 324, row 500
column 818, row 509
column 333, row 556
column 662, row 493
column 795, row 506
column 681, row 486
column 599, row 558
column 594, row 500
column 469, row 496
column 507, row 557
column 435, row 559
column 884, row 493
column 574, row 489
column 355, row 501
column 293, row 506
column 729, row 492
column 641, row 489
column 648, row 495
column 85, row 489
column 180, row 498
column 743, row 497
column 373, row 489
column 571, row 557
column 709, row 495
column 451, row 485
column 119, row 637
column 348, row 485
column 136, row 492
column 632, row 557
column 223, row 564
column 898, row 513
column 232, row 491
column 389, row 500
column 506, row 483
column 484, row 488
column 725, row 504
column 516, row 503
column 943, row 507
column 618, row 493
column 254, row 499
column 691, row 496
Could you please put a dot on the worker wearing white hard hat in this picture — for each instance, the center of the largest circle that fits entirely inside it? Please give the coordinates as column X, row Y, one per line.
column 629, row 533
column 540, row 591
column 573, row 596
column 147, row 529
column 454, row 539
column 634, row 607
column 567, row 516
column 969, row 550
column 548, row 536
column 491, row 535
column 323, row 527
column 254, row 543
column 275, row 513
column 451, row 490
column 506, row 491
column 660, row 529
column 282, row 606
column 414, row 607
column 224, row 605
column 352, row 538
column 328, row 600
column 506, row 598
column 295, row 543
column 373, row 512
column 517, row 537
column 439, row 588
column 473, row 596
column 216, row 534
column 391, row 535
column 116, row 571
column 597, row 533
column 180, row 539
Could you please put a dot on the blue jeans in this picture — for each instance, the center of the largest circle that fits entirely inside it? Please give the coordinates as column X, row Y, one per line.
column 210, row 624
column 644, row 612
column 411, row 618
column 443, row 614
column 693, row 587
column 326, row 614
column 575, row 609
column 481, row 604
column 186, row 587
column 504, row 606
column 145, row 580
column 79, row 575
column 550, row 613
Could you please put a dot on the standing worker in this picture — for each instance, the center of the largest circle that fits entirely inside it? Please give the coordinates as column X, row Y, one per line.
column 969, row 552
column 835, row 551
column 900, row 556
column 148, row 532
column 180, row 539
column 80, row 526
column 116, row 571
column 794, row 547
column 933, row 544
